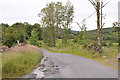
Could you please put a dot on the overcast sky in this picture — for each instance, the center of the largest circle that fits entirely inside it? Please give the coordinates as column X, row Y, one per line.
column 12, row 11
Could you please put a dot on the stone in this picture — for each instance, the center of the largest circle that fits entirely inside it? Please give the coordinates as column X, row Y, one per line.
column 45, row 69
column 104, row 57
column 107, row 60
column 51, row 64
column 31, row 76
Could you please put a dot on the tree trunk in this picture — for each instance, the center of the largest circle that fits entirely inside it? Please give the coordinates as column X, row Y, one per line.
column 62, row 38
column 53, row 36
column 99, row 34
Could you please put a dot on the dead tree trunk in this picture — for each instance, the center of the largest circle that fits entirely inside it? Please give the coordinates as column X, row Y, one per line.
column 99, row 29
column 98, row 4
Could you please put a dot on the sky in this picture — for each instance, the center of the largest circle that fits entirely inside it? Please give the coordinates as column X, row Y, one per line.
column 12, row 11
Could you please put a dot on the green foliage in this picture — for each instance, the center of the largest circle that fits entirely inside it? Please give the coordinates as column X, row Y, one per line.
column 28, row 29
column 115, row 44
column 72, row 36
column 18, row 31
column 21, row 31
column 61, row 16
column 76, row 39
column 9, row 36
column 104, row 43
column 82, row 42
column 34, row 37
column 38, row 30
column 39, row 43
column 109, row 34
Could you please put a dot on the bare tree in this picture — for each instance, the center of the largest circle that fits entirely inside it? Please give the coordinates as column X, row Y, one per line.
column 98, row 5
column 82, row 28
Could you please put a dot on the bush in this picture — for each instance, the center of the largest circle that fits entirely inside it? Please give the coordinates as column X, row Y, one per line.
column 34, row 37
column 9, row 37
column 104, row 43
column 109, row 44
column 95, row 43
column 38, row 43
column 69, row 42
column 76, row 39
column 115, row 44
column 82, row 42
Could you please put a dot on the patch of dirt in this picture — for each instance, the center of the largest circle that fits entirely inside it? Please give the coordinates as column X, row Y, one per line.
column 20, row 48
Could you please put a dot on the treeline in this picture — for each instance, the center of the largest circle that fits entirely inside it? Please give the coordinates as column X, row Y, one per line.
column 20, row 32
column 25, row 32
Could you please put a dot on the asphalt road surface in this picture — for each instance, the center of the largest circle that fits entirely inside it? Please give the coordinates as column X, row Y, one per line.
column 72, row 66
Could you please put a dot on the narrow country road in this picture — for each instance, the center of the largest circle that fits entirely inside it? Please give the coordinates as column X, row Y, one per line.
column 72, row 66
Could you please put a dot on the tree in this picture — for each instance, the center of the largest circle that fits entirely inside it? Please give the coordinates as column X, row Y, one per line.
column 67, row 18
column 51, row 19
column 39, row 30
column 98, row 5
column 48, row 17
column 82, row 28
column 29, row 28
column 34, row 37
column 55, row 18
column 21, row 31
column 116, row 26
column 9, row 36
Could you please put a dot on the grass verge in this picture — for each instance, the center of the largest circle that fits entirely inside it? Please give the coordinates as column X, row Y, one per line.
column 20, row 61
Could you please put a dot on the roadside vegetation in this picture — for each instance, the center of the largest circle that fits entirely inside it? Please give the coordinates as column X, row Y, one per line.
column 20, row 61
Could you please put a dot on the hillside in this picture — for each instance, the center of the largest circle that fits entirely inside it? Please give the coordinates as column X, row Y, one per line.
column 109, row 34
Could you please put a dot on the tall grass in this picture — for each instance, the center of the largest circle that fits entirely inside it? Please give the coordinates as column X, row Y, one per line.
column 75, row 50
column 21, row 61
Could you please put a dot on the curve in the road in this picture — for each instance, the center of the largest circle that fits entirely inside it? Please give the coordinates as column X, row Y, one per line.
column 72, row 66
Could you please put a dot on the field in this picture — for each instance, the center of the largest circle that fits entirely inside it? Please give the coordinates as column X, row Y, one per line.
column 20, row 61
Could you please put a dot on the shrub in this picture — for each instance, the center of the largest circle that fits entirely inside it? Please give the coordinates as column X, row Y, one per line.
column 82, row 42
column 76, row 39
column 104, row 43
column 109, row 44
column 34, row 37
column 38, row 43
column 115, row 44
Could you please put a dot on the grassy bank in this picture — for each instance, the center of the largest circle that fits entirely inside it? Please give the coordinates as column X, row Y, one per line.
column 20, row 61
column 110, row 59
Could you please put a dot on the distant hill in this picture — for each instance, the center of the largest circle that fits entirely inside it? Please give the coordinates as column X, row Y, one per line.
column 105, row 31
column 109, row 34
column 74, row 31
